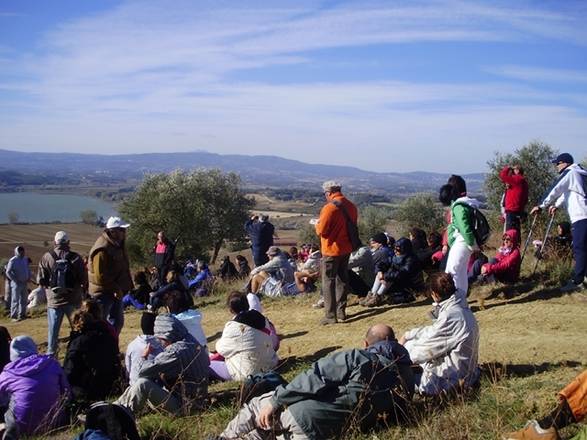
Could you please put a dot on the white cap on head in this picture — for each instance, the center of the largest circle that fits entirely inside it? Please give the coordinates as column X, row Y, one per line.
column 61, row 237
column 331, row 185
column 116, row 222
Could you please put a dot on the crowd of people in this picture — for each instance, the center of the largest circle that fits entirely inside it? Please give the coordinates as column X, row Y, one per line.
column 170, row 365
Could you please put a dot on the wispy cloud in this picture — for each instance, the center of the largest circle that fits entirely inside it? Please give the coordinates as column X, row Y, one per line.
column 527, row 73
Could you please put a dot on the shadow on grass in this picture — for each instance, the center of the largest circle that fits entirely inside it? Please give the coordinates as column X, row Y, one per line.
column 291, row 362
column 292, row 335
column 214, row 337
column 370, row 312
column 542, row 294
column 497, row 370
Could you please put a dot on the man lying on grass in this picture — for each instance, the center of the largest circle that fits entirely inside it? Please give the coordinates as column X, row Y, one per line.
column 348, row 390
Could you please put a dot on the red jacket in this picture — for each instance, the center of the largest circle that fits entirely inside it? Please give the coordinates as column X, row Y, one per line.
column 506, row 268
column 516, row 196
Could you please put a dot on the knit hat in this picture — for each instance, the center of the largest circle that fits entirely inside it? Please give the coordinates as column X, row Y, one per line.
column 22, row 347
column 380, row 237
column 168, row 327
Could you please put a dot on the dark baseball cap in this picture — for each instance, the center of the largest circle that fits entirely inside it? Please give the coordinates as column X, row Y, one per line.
column 563, row 157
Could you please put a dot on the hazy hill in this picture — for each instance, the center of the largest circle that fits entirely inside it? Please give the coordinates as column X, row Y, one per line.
column 255, row 170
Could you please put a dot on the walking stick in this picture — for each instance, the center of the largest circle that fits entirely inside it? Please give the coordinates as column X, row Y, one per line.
column 528, row 238
column 543, row 243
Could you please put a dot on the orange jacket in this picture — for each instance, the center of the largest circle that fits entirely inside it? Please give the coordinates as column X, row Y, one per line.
column 334, row 240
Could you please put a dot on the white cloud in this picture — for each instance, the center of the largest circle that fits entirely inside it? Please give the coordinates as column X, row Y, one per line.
column 528, row 73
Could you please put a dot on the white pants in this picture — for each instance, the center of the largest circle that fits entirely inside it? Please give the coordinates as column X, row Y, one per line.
column 456, row 265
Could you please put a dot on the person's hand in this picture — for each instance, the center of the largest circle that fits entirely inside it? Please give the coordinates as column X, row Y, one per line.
column 148, row 350
column 552, row 210
column 402, row 340
column 265, row 415
column 483, row 269
column 445, row 249
column 535, row 210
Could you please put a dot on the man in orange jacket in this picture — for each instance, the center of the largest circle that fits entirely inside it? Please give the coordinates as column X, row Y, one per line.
column 336, row 247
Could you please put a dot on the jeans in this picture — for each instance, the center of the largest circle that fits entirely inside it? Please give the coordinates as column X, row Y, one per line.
column 112, row 311
column 18, row 300
column 579, row 231
column 54, row 320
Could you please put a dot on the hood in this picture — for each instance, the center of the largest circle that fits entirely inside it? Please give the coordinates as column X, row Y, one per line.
column 30, row 365
column 513, row 234
column 469, row 201
column 405, row 245
column 22, row 347
column 16, row 251
column 170, row 328
column 391, row 350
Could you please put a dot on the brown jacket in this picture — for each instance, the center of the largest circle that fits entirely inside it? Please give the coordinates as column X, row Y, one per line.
column 108, row 268
column 59, row 297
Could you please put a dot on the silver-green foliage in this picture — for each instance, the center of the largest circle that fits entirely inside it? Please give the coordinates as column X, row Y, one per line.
column 420, row 210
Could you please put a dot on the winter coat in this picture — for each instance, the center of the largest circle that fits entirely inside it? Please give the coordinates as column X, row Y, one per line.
column 17, row 270
column 37, row 386
column 361, row 261
column 108, row 268
column 227, row 270
column 405, row 272
column 261, row 235
column 331, row 227
column 506, row 267
column 382, row 258
column 447, row 350
column 570, row 189
column 516, row 196
column 92, row 364
column 247, row 348
column 343, row 388
column 460, row 224
column 279, row 268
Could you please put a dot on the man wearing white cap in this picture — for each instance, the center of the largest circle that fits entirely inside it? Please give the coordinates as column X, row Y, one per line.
column 109, row 271
column 62, row 274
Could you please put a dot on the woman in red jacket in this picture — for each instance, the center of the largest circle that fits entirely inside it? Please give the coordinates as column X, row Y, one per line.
column 516, row 195
column 505, row 267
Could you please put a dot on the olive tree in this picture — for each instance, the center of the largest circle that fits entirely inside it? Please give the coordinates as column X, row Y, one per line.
column 200, row 210
column 420, row 210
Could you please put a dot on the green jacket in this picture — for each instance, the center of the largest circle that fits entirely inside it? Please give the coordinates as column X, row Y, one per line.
column 461, row 221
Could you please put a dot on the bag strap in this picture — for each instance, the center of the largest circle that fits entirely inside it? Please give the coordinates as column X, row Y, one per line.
column 340, row 206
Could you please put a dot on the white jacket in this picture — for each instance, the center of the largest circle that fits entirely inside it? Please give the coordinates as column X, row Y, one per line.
column 246, row 350
column 192, row 320
column 447, row 350
column 570, row 189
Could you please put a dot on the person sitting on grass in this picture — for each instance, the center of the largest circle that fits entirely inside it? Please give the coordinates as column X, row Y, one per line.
column 190, row 318
column 244, row 270
column 557, row 247
column 245, row 347
column 270, row 278
column 354, row 388
column 139, row 296
column 33, row 391
column 227, row 269
column 202, row 276
column 425, row 255
column 174, row 283
column 505, row 266
column 448, row 349
column 134, row 358
column 176, row 380
column 571, row 408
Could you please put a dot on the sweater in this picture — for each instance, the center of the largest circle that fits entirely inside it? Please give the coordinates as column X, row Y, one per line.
column 516, row 196
column 570, row 189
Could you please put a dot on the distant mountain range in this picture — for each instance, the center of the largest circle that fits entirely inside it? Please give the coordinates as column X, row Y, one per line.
column 258, row 171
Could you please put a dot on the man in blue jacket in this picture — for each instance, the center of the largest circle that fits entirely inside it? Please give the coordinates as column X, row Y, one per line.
column 261, row 232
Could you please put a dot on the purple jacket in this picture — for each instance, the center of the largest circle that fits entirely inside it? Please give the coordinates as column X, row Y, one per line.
column 39, row 390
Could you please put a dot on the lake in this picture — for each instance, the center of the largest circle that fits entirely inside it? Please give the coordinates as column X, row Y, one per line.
column 44, row 208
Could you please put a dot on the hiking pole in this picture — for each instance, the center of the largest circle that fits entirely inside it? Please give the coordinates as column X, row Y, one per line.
column 529, row 237
column 543, row 243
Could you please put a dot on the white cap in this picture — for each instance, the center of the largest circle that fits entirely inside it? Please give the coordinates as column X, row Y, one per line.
column 61, row 237
column 116, row 222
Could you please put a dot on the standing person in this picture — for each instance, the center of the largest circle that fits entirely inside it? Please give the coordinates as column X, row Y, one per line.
column 571, row 189
column 109, row 272
column 19, row 274
column 461, row 239
column 164, row 251
column 516, row 195
column 336, row 247
column 261, row 232
column 63, row 275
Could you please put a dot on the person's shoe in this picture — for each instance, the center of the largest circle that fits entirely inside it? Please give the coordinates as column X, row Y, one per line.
column 532, row 431
column 319, row 304
column 374, row 301
column 368, row 297
column 571, row 287
column 327, row 321
column 341, row 317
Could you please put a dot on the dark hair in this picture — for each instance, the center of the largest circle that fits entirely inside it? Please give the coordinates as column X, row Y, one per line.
column 459, row 185
column 175, row 301
column 418, row 238
column 148, row 323
column 442, row 284
column 92, row 307
column 80, row 320
column 435, row 239
column 445, row 195
column 240, row 258
column 140, row 278
column 565, row 227
column 237, row 302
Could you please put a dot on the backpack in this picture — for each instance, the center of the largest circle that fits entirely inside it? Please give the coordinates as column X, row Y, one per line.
column 260, row 383
column 62, row 275
column 351, row 227
column 479, row 224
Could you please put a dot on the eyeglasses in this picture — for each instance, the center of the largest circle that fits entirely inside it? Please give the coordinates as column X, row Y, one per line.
column 507, row 239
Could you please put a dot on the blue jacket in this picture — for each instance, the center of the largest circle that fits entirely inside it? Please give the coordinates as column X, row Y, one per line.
column 18, row 270
column 260, row 233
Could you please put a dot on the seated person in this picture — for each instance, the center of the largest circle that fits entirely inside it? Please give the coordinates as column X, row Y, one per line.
column 4, row 347
column 109, row 421
column 270, row 278
column 94, row 308
column 190, row 318
column 557, row 247
column 474, row 265
column 361, row 271
column 33, row 391
column 418, row 239
column 255, row 304
column 174, row 283
column 37, row 299
column 571, row 408
column 243, row 267
column 352, row 386
column 176, row 380
column 134, row 358
column 400, row 281
column 139, row 296
column 425, row 255
column 505, row 266
column 227, row 270
column 293, row 257
column 203, row 275
column 245, row 347
column 447, row 350
column 92, row 362
column 305, row 278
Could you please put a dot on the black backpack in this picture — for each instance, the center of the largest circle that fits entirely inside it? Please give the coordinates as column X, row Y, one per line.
column 260, row 383
column 479, row 224
column 63, row 275
column 351, row 227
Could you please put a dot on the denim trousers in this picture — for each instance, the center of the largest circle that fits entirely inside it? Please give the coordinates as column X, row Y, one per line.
column 54, row 320
column 112, row 311
column 579, row 231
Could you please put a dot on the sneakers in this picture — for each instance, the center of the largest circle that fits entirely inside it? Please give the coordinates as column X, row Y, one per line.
column 369, row 296
column 532, row 431
column 319, row 304
column 374, row 301
column 571, row 287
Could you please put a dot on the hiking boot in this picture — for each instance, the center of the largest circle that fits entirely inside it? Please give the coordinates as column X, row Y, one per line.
column 319, row 304
column 571, row 287
column 327, row 321
column 341, row 316
column 532, row 431
column 374, row 301
column 366, row 298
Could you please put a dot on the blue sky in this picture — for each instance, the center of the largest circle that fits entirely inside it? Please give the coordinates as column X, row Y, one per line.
column 382, row 85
